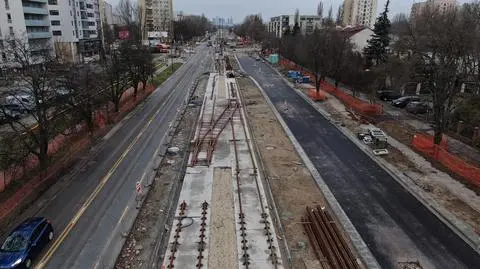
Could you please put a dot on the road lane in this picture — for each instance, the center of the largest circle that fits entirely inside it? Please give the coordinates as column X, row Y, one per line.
column 94, row 235
column 394, row 225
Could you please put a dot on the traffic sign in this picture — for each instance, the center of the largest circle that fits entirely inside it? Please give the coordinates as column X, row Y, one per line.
column 138, row 187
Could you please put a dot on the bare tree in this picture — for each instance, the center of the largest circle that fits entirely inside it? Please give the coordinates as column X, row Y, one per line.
column 339, row 51
column 339, row 18
column 115, row 74
column 84, row 92
column 318, row 47
column 440, row 42
column 131, row 17
column 37, row 78
column 147, row 68
column 320, row 9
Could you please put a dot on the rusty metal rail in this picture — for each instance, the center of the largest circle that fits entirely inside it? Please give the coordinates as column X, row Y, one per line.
column 241, row 214
column 202, row 244
column 208, row 140
column 328, row 242
column 178, row 230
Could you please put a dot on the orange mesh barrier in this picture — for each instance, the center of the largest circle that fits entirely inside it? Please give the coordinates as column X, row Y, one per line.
column 356, row 104
column 425, row 144
column 317, row 96
column 100, row 117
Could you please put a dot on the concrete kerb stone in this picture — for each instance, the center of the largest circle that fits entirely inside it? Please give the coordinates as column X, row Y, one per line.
column 360, row 246
column 456, row 225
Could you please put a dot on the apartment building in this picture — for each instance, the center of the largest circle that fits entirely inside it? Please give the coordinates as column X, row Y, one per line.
column 441, row 5
column 307, row 23
column 75, row 28
column 27, row 21
column 359, row 13
column 158, row 18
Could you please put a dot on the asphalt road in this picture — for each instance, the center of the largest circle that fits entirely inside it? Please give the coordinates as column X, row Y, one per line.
column 395, row 226
column 95, row 204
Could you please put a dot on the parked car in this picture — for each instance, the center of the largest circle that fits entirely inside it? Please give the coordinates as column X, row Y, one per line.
column 388, row 95
column 25, row 243
column 17, row 109
column 7, row 114
column 403, row 101
column 26, row 102
column 417, row 107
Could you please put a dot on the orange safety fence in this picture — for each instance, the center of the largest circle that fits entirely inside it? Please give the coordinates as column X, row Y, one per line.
column 424, row 143
column 100, row 118
column 317, row 96
column 360, row 106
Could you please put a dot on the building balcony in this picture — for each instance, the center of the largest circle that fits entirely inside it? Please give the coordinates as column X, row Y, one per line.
column 35, row 10
column 38, row 35
column 38, row 1
column 37, row 23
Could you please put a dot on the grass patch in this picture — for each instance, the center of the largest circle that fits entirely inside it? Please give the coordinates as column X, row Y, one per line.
column 165, row 74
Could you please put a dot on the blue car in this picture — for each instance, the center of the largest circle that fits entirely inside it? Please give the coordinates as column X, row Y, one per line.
column 25, row 243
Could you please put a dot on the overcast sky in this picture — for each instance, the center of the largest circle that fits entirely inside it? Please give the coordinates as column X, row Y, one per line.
column 238, row 9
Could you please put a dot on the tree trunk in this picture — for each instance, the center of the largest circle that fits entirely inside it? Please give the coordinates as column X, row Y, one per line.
column 318, row 81
column 438, row 115
column 43, row 150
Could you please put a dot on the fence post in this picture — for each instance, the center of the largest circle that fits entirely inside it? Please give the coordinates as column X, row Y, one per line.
column 459, row 127
column 476, row 134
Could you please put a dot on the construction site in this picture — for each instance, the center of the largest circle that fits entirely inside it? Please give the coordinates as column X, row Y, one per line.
column 241, row 191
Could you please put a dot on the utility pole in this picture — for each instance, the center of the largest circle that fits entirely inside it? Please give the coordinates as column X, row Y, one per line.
column 173, row 40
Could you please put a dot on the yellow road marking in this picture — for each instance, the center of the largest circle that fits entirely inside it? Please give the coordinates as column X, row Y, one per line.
column 90, row 199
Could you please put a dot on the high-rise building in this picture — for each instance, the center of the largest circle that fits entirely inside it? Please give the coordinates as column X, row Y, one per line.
column 359, row 12
column 26, row 21
column 75, row 25
column 158, row 17
column 440, row 5
column 307, row 23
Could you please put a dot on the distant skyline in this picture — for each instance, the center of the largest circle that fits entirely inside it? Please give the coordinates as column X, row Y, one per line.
column 270, row 8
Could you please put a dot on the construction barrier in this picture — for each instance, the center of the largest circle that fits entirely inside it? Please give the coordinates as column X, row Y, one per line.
column 317, row 96
column 425, row 144
column 358, row 105
column 101, row 118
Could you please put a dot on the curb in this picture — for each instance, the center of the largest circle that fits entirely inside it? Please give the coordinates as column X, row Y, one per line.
column 355, row 238
column 457, row 226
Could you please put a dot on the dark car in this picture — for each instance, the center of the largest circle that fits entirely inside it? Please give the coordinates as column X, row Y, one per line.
column 388, row 95
column 25, row 243
column 403, row 101
column 417, row 107
column 8, row 114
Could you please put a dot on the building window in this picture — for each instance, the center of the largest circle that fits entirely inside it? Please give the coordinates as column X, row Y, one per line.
column 9, row 18
column 52, row 2
column 11, row 30
column 7, row 5
column 54, row 12
column 55, row 23
column 57, row 33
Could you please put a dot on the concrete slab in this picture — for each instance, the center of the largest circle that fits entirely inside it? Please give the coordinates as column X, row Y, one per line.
column 217, row 185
